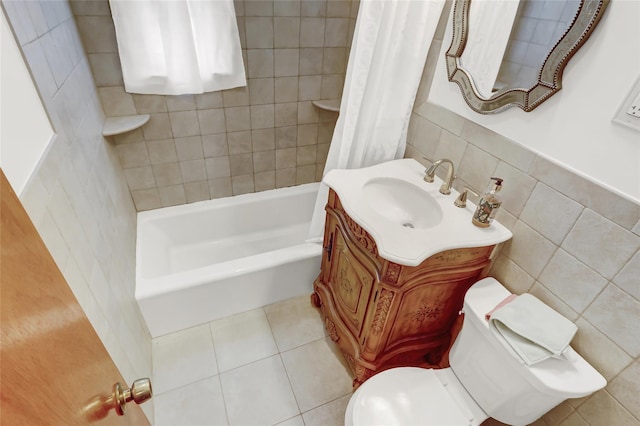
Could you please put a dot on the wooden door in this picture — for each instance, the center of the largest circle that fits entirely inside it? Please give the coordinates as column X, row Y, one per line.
column 54, row 368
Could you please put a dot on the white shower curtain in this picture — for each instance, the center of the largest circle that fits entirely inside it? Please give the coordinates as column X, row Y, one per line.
column 173, row 47
column 388, row 53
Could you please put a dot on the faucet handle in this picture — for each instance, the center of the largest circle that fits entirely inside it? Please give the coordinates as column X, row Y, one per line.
column 445, row 189
column 428, row 172
column 461, row 201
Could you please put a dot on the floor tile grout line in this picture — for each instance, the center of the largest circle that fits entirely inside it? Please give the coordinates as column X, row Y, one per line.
column 304, row 344
column 273, row 335
column 284, row 366
column 293, row 391
column 323, row 338
column 215, row 354
column 155, row 394
column 326, row 403
column 291, row 418
column 255, row 360
column 278, row 351
column 191, row 382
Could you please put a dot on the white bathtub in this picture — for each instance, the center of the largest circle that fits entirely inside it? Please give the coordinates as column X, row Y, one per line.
column 203, row 261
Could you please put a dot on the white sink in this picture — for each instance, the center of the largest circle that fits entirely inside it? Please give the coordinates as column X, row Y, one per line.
column 402, row 203
column 409, row 219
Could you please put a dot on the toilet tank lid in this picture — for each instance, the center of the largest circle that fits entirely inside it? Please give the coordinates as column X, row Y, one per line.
column 572, row 377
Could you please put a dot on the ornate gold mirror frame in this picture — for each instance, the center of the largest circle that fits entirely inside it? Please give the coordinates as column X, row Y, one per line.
column 550, row 75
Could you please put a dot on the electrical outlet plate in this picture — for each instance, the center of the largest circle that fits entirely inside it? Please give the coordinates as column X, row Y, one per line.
column 629, row 112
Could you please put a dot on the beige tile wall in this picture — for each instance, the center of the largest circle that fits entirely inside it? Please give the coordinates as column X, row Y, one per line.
column 78, row 197
column 575, row 246
column 263, row 136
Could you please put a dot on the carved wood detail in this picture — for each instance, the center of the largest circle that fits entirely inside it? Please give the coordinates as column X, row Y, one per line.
column 362, row 374
column 315, row 300
column 349, row 358
column 362, row 236
column 384, row 303
column 331, row 330
column 381, row 314
column 392, row 273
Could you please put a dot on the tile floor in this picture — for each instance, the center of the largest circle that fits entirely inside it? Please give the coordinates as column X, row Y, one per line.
column 269, row 366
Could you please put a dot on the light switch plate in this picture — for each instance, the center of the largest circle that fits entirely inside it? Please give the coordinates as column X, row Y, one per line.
column 629, row 112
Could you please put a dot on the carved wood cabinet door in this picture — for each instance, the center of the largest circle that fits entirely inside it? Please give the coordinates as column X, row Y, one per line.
column 351, row 284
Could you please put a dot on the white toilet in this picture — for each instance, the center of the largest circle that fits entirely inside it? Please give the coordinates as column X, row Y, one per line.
column 484, row 380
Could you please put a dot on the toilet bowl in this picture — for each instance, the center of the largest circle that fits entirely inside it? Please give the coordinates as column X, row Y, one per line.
column 413, row 396
column 484, row 380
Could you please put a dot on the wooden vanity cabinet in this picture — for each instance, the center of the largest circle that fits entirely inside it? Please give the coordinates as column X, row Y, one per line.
column 382, row 314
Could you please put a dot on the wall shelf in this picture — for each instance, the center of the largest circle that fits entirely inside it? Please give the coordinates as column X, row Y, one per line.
column 117, row 125
column 328, row 104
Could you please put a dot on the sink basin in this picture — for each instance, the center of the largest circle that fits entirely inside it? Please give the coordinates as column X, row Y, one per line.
column 402, row 203
column 408, row 218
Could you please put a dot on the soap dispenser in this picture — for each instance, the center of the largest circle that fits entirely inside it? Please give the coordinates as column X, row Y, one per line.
column 488, row 204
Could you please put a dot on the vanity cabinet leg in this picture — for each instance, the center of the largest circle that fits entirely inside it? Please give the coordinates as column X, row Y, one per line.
column 361, row 375
column 315, row 300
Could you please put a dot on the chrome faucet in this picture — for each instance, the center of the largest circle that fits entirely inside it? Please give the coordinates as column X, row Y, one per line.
column 448, row 180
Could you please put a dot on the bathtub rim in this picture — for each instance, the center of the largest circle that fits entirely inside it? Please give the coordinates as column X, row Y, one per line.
column 152, row 287
column 155, row 286
column 230, row 201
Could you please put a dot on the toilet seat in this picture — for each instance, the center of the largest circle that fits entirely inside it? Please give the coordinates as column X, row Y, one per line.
column 412, row 396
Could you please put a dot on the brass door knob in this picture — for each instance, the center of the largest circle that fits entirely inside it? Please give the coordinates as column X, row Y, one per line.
column 140, row 392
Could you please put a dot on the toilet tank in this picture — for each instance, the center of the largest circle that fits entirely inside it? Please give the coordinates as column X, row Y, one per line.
column 506, row 388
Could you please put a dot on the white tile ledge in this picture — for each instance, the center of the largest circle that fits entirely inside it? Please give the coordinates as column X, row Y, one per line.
column 328, row 104
column 117, row 125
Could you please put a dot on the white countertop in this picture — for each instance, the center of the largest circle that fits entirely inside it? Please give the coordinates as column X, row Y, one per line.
column 411, row 246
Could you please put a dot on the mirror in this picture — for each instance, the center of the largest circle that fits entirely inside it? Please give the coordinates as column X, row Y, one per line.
column 513, row 53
